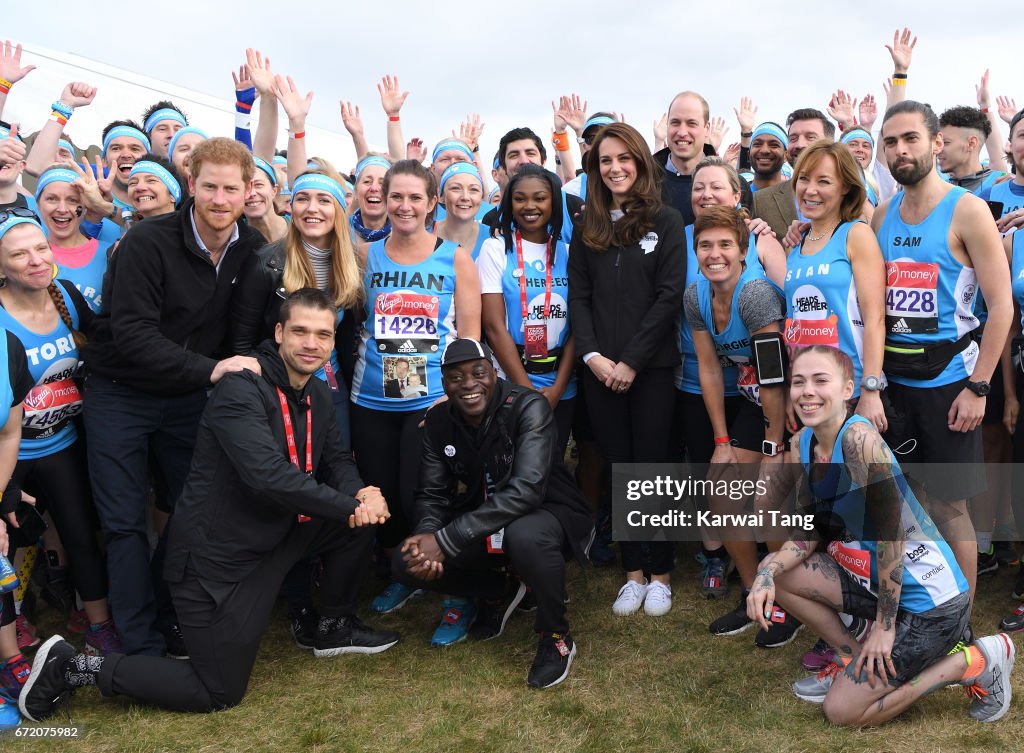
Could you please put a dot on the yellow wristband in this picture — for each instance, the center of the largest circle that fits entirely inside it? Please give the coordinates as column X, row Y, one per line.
column 899, row 82
column 5, row 83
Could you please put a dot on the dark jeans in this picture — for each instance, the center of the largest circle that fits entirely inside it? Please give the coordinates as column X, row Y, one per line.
column 124, row 426
column 535, row 548
column 223, row 622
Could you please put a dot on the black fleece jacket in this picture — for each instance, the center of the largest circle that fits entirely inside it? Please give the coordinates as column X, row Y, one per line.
column 243, row 494
column 165, row 306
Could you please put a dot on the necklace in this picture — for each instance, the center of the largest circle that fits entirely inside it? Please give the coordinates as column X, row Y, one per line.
column 817, row 238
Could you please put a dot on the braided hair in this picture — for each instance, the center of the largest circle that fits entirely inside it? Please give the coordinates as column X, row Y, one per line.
column 65, row 315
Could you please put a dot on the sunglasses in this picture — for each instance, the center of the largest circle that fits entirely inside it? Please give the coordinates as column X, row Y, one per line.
column 23, row 212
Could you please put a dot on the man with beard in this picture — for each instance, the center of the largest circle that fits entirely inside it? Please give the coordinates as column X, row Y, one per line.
column 154, row 352
column 123, row 144
column 767, row 155
column 777, row 205
column 940, row 245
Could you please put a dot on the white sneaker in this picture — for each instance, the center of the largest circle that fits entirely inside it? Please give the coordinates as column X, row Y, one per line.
column 630, row 598
column 658, row 599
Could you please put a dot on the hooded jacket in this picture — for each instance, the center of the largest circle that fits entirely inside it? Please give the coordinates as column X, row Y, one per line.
column 516, row 446
column 243, row 494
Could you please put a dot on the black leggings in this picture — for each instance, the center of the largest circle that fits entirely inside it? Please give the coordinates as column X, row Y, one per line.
column 636, row 427
column 60, row 484
column 387, row 447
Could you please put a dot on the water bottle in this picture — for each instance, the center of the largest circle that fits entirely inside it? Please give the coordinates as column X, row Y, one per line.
column 8, row 576
column 127, row 219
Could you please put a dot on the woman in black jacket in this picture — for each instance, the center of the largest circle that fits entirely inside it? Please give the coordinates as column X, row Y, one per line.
column 626, row 271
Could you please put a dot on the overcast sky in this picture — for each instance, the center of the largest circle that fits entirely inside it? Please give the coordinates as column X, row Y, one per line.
column 508, row 60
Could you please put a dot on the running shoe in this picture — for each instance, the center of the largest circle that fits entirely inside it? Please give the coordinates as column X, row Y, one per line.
column 349, row 635
column 13, row 674
column 819, row 657
column 303, row 628
column 1005, row 554
column 630, row 598
column 601, row 553
column 987, row 562
column 456, row 618
column 102, row 640
column 493, row 614
column 10, row 717
column 1015, row 622
column 1018, row 586
column 658, row 599
column 734, row 621
column 814, row 688
column 555, row 653
column 782, row 630
column 393, row 598
column 28, row 637
column 991, row 689
column 45, row 690
column 176, row 648
column 714, row 576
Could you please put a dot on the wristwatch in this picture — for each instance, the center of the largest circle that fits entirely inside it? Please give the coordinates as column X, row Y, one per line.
column 871, row 383
column 771, row 449
column 979, row 388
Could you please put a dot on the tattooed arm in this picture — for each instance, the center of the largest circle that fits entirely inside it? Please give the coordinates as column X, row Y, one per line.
column 869, row 463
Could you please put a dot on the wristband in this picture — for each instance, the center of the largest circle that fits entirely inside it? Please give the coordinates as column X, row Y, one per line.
column 560, row 141
column 243, row 120
column 59, row 117
column 297, row 135
column 746, row 134
column 719, row 441
column 5, row 86
column 899, row 77
column 984, row 110
column 63, row 109
column 393, row 118
column 899, row 82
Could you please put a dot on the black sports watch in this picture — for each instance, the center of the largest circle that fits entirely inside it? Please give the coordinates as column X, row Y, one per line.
column 979, row 388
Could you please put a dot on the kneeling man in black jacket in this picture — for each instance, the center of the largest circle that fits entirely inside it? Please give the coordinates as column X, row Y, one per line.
column 495, row 495
column 270, row 485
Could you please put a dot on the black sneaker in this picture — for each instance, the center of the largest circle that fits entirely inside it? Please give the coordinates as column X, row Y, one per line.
column 303, row 629
column 1018, row 586
column 45, row 690
column 783, row 629
column 555, row 652
column 1015, row 622
column 1005, row 553
column 175, row 643
column 987, row 563
column 349, row 635
column 494, row 614
column 733, row 622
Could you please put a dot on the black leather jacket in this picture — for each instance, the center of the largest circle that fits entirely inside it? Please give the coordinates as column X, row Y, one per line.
column 516, row 445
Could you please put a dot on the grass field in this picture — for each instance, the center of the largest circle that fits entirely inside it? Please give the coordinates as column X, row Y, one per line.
column 638, row 684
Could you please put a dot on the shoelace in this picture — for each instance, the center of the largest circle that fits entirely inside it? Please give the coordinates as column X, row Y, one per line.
column 830, row 671
column 976, row 692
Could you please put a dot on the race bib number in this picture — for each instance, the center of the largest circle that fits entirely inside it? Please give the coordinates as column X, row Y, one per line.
column 406, row 322
column 747, row 384
column 911, row 297
column 495, row 541
column 857, row 562
column 801, row 333
column 535, row 341
column 48, row 407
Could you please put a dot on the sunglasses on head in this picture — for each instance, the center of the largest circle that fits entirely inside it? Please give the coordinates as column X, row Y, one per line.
column 23, row 212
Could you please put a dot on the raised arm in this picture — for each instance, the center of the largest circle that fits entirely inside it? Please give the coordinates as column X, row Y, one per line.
column 245, row 97
column 353, row 122
column 994, row 142
column 265, row 141
column 391, row 99
column 297, row 108
column 902, row 52
column 11, row 70
column 44, row 148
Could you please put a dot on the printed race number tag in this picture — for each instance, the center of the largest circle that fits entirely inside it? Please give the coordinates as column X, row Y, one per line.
column 911, row 300
column 535, row 341
column 49, row 407
column 406, row 322
column 494, row 542
column 746, row 383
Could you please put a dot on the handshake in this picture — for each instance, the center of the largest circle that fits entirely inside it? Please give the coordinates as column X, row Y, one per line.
column 372, row 508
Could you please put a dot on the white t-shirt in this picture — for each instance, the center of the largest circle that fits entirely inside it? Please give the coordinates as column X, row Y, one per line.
column 490, row 264
column 574, row 186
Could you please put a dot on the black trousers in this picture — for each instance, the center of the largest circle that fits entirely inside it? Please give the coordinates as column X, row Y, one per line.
column 223, row 622
column 535, row 548
column 636, row 427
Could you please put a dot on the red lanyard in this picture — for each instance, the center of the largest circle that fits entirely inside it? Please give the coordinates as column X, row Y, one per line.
column 289, row 434
column 522, row 280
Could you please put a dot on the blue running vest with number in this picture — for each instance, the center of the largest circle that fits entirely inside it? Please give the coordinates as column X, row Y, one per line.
column 821, row 301
column 931, row 576
column 1009, row 194
column 410, row 314
column 558, row 322
column 929, row 295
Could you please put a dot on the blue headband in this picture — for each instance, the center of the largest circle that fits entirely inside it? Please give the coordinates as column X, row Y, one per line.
column 493, row 191
column 56, row 175
column 266, row 167
column 145, row 166
column 787, row 170
column 179, row 134
column 450, row 144
column 5, row 132
column 317, row 182
column 857, row 133
column 280, row 160
column 597, row 120
column 371, row 161
column 126, row 131
column 65, row 144
column 165, row 113
column 12, row 221
column 459, row 168
column 773, row 130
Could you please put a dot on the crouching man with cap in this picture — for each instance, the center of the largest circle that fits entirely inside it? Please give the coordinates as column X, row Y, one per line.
column 270, row 485
column 497, row 510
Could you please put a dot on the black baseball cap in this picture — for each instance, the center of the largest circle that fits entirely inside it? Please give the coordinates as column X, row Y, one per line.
column 465, row 349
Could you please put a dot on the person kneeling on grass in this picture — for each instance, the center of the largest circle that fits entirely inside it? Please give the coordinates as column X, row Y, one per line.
column 520, row 508
column 886, row 561
column 270, row 486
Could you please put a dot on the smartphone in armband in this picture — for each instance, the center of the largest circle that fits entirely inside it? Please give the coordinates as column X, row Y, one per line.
column 769, row 358
column 996, row 207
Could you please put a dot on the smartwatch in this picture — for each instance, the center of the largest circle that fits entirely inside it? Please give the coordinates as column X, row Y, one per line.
column 979, row 388
column 771, row 449
column 871, row 383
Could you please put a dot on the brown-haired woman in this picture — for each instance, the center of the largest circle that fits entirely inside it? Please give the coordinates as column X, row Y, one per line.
column 626, row 270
